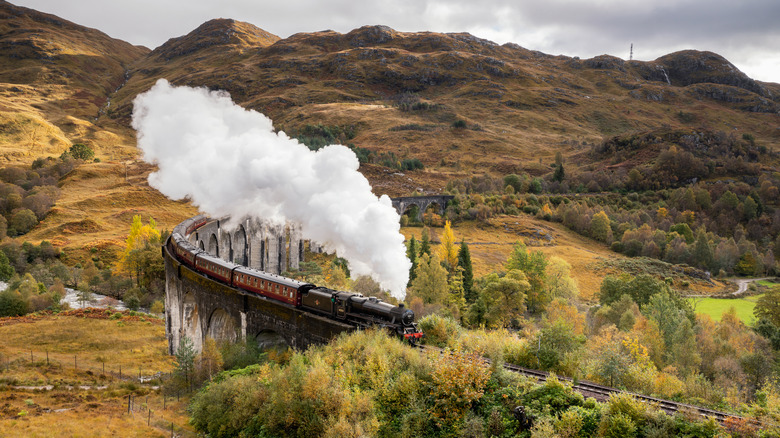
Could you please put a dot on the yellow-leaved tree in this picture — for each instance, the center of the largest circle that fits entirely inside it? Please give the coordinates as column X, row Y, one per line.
column 141, row 256
column 448, row 250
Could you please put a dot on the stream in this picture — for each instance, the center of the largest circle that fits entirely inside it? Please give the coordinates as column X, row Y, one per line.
column 72, row 298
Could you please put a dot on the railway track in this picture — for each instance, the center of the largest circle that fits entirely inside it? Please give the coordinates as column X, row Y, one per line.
column 602, row 393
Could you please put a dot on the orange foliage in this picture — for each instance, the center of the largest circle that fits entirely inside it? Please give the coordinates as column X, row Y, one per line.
column 649, row 335
column 560, row 310
column 459, row 380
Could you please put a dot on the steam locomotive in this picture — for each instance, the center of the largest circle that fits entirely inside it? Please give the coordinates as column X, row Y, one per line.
column 348, row 307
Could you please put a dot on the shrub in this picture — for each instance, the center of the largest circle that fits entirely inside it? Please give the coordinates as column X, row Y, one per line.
column 22, row 221
column 617, row 426
column 440, row 331
column 226, row 407
column 81, row 151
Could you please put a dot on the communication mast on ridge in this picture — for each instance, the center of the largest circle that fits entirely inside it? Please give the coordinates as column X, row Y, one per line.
column 631, row 53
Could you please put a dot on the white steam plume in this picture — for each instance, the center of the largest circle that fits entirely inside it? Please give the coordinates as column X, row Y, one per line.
column 229, row 161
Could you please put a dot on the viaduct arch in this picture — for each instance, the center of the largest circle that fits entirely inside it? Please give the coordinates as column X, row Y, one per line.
column 401, row 204
column 198, row 307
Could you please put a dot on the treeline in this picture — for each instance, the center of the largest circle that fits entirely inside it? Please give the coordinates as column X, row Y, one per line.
column 725, row 226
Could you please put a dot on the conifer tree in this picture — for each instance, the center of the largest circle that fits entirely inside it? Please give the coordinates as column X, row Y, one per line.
column 464, row 261
column 411, row 253
column 702, row 252
column 425, row 243
column 185, row 359
column 559, row 173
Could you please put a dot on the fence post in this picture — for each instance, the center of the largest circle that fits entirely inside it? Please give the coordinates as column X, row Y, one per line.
column 120, row 372
column 128, row 403
column 75, row 362
column 47, row 357
column 31, row 358
column 149, row 417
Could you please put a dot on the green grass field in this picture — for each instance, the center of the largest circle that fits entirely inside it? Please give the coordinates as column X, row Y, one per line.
column 715, row 307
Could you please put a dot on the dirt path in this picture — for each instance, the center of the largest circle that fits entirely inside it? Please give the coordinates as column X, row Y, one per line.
column 742, row 284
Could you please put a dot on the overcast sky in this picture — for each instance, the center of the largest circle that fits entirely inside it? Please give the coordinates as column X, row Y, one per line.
column 746, row 32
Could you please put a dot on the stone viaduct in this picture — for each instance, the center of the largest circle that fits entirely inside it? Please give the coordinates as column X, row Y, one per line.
column 422, row 202
column 199, row 307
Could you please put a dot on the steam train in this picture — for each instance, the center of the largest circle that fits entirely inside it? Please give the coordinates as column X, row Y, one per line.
column 348, row 307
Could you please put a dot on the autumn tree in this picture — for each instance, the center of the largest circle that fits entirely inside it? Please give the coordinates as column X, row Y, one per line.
column 448, row 250
column 6, row 270
column 768, row 306
column 600, row 228
column 431, row 282
column 559, row 281
column 534, row 265
column 141, row 256
column 209, row 361
column 502, row 299
column 22, row 221
column 456, row 301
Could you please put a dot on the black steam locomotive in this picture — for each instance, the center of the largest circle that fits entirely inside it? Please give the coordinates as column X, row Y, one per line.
column 343, row 306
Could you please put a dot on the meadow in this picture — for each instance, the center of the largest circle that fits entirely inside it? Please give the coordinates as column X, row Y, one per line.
column 60, row 376
column 716, row 307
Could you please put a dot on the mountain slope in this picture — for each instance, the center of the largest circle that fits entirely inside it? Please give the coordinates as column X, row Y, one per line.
column 401, row 93
column 56, row 77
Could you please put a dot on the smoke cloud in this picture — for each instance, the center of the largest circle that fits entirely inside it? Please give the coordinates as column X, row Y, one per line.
column 229, row 161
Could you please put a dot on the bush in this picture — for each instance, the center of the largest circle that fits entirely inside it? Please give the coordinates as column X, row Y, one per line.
column 12, row 303
column 226, row 407
column 440, row 331
column 132, row 299
column 81, row 151
column 22, row 221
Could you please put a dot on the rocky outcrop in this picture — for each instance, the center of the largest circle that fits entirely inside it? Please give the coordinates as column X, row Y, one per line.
column 694, row 67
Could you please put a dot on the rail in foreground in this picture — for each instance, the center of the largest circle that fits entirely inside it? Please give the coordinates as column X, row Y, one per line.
column 602, row 393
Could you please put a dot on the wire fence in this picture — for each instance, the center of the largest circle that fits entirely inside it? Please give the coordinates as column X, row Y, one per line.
column 101, row 373
column 80, row 365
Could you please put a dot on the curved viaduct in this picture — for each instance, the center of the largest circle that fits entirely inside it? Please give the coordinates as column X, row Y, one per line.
column 199, row 307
